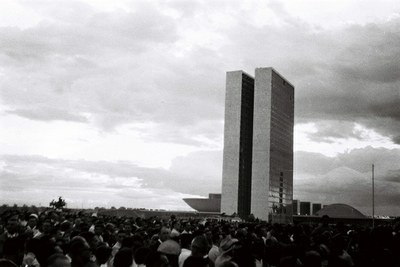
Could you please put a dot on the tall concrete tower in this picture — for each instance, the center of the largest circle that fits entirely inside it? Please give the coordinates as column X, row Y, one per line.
column 238, row 139
column 258, row 146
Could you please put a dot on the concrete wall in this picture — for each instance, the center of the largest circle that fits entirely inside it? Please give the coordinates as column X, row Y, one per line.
column 230, row 168
column 261, row 143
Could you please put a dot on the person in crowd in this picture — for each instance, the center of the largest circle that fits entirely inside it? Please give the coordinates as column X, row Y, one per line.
column 79, row 252
column 141, row 255
column 185, row 241
column 120, row 236
column 175, row 231
column 103, row 255
column 32, row 225
column 123, row 258
column 12, row 241
column 186, row 227
column 164, row 235
column 171, row 249
column 199, row 256
column 214, row 252
column 157, row 259
column 213, row 242
column 98, row 231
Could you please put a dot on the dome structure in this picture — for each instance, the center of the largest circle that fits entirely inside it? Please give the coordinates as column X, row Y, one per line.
column 341, row 211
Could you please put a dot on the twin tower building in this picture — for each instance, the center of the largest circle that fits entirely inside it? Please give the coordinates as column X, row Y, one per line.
column 258, row 146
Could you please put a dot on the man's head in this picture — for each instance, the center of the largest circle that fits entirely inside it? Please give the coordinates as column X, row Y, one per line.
column 47, row 227
column 33, row 219
column 79, row 251
column 121, row 235
column 176, row 225
column 98, row 229
column 200, row 246
column 127, row 227
column 164, row 233
column 13, row 224
column 186, row 226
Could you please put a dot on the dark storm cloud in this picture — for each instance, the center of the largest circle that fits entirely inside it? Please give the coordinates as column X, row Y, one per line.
column 141, row 65
column 362, row 83
column 348, row 74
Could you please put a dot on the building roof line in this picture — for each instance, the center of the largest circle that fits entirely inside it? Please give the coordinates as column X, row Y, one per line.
column 242, row 71
column 277, row 72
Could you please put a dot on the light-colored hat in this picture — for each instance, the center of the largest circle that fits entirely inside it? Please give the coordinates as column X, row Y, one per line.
column 34, row 215
column 169, row 247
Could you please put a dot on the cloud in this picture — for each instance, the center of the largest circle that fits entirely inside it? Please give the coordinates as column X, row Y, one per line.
column 360, row 81
column 111, row 68
column 48, row 115
column 118, row 182
column 330, row 131
column 347, row 178
column 153, row 62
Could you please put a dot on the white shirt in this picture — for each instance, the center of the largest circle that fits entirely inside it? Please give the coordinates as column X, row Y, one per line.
column 185, row 253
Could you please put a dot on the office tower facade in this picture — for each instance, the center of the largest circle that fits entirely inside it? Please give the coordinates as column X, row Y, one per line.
column 266, row 190
column 238, row 139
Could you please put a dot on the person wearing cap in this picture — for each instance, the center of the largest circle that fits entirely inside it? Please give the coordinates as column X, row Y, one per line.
column 32, row 225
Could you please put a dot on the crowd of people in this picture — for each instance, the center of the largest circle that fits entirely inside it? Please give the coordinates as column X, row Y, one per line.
column 64, row 239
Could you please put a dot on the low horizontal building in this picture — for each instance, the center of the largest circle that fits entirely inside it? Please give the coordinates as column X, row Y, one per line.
column 211, row 204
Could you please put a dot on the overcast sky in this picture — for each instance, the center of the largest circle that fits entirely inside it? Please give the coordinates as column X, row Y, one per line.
column 121, row 103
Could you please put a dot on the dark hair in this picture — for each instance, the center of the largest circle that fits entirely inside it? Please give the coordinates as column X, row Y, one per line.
column 141, row 255
column 123, row 258
column 103, row 253
column 127, row 242
column 156, row 259
column 185, row 239
column 200, row 244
